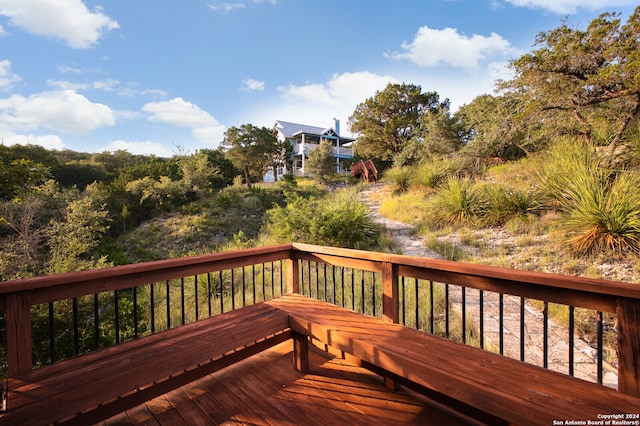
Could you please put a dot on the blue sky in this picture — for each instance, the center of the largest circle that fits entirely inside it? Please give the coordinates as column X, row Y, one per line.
column 165, row 76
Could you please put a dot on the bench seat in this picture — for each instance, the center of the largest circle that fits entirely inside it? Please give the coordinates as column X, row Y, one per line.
column 500, row 387
column 98, row 385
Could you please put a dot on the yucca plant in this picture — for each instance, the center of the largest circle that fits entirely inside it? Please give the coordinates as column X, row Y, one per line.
column 432, row 173
column 503, row 203
column 400, row 177
column 601, row 206
column 456, row 202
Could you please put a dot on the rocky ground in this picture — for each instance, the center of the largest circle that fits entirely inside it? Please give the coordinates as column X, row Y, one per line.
column 585, row 365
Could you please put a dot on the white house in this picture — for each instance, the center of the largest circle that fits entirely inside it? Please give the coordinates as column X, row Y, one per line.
column 305, row 139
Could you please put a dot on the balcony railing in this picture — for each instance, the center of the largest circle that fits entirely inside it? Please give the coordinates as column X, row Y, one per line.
column 62, row 316
column 342, row 152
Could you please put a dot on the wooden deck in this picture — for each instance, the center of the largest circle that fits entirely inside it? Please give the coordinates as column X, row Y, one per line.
column 266, row 390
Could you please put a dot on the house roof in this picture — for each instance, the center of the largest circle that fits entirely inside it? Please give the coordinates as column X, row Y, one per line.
column 290, row 130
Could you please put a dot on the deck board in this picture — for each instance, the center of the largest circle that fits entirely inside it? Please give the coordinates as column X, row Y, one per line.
column 265, row 390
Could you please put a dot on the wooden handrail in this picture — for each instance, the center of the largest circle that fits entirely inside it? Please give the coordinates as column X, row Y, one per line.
column 17, row 297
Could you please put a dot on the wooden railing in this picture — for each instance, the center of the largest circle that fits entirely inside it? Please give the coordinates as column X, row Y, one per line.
column 19, row 298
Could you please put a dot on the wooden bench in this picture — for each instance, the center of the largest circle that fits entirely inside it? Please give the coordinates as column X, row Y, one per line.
column 98, row 385
column 493, row 388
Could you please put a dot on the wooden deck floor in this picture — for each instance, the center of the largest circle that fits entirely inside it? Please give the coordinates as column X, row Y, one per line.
column 266, row 390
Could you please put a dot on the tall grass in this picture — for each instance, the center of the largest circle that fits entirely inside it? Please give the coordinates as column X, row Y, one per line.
column 432, row 174
column 399, row 177
column 601, row 206
column 456, row 203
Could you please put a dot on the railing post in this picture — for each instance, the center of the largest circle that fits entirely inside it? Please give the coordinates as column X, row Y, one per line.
column 628, row 312
column 293, row 274
column 390, row 292
column 18, row 323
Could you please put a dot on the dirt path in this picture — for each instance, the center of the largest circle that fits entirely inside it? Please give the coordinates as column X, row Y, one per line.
column 585, row 364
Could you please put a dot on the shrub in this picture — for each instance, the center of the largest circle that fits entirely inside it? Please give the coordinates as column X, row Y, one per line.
column 502, row 203
column 601, row 207
column 456, row 202
column 400, row 177
column 338, row 220
column 433, row 173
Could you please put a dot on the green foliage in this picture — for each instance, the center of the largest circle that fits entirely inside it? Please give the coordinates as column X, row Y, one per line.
column 431, row 174
column 337, row 220
column 503, row 203
column 321, row 163
column 400, row 177
column 390, row 119
column 601, row 208
column 457, row 202
column 250, row 148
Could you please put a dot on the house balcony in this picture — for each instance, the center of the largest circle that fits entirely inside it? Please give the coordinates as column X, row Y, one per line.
column 297, row 333
column 306, row 148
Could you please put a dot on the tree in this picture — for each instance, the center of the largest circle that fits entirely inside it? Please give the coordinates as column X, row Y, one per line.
column 389, row 119
column 321, row 161
column 249, row 147
column 580, row 82
column 198, row 174
column 281, row 154
column 442, row 133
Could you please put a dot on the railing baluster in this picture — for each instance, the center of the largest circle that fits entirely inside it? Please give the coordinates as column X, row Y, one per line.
column 353, row 290
column 253, row 282
column 152, row 306
column 446, row 310
column 264, row 286
column 545, row 335
column 209, row 292
column 221, row 279
column 522, row 322
column 273, row 281
column 244, row 292
column 342, row 283
column 362, row 290
column 233, row 292
column 281, row 279
column 333, row 279
column 135, row 312
column 404, row 305
column 168, row 295
column 116, row 306
column 571, row 338
column 432, row 312
column 76, row 341
column 481, row 319
column 182, row 305
column 373, row 293
column 464, row 314
column 195, row 295
column 501, row 323
column 52, row 345
column 96, row 321
column 600, row 346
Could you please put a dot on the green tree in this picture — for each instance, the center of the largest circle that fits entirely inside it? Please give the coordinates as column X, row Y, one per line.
column 577, row 81
column 73, row 238
column 198, row 173
column 321, row 162
column 441, row 132
column 390, row 119
column 249, row 147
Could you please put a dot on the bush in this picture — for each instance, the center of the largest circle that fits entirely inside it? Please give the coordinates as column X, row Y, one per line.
column 338, row 220
column 400, row 177
column 601, row 207
column 433, row 173
column 456, row 202
column 502, row 203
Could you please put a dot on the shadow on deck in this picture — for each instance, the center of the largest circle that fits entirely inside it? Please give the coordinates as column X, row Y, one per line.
column 265, row 390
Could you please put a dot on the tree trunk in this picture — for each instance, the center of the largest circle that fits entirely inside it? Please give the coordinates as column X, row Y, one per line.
column 247, row 176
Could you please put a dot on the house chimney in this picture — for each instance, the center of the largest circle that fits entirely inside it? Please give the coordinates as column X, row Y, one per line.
column 337, row 126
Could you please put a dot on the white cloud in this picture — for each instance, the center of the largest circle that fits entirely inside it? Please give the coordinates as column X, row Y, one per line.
column 181, row 113
column 63, row 110
column 226, row 7
column 251, row 85
column 46, row 141
column 137, row 148
column 346, row 88
column 69, row 20
column 317, row 103
column 571, row 6
column 7, row 78
column 431, row 48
